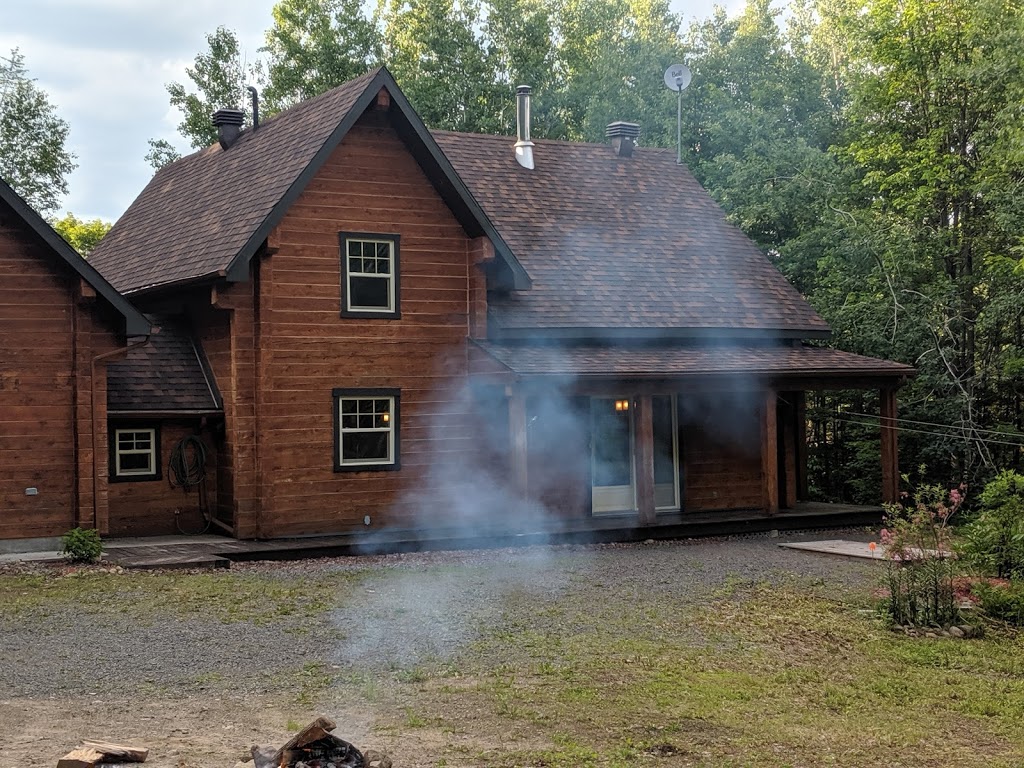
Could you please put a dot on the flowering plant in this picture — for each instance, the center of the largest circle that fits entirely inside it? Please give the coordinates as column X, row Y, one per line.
column 919, row 547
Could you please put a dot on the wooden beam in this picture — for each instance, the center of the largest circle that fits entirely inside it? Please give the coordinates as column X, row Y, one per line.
column 517, row 434
column 788, row 429
column 769, row 453
column 643, row 456
column 890, row 452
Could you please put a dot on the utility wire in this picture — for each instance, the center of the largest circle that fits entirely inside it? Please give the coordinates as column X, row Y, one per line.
column 986, row 441
column 937, row 424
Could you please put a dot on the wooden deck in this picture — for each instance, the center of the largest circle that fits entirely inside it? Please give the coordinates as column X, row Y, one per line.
column 213, row 551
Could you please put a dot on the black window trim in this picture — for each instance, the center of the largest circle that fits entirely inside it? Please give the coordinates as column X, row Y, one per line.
column 395, row 240
column 340, row 393
column 114, row 428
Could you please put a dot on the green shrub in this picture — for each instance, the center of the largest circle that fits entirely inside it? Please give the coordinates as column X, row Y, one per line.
column 993, row 542
column 82, row 545
column 1002, row 602
column 921, row 569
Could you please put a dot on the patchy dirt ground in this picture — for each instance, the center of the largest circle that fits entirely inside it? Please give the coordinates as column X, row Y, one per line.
column 647, row 654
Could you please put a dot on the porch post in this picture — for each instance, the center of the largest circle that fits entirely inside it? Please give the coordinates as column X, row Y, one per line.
column 769, row 453
column 644, row 458
column 517, row 434
column 890, row 452
column 801, row 446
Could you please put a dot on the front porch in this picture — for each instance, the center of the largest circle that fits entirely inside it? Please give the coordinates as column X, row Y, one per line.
column 210, row 551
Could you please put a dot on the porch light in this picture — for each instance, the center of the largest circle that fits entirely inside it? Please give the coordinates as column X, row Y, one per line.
column 622, row 405
column 385, row 417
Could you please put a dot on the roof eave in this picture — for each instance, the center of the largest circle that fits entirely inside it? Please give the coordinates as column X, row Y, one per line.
column 135, row 323
column 599, row 334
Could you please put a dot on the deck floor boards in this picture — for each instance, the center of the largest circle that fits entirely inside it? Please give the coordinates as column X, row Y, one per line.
column 209, row 551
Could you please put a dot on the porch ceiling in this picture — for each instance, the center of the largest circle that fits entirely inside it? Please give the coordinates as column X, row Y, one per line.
column 675, row 362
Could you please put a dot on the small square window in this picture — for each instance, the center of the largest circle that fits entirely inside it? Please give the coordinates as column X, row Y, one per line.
column 135, row 454
column 366, row 429
column 369, row 275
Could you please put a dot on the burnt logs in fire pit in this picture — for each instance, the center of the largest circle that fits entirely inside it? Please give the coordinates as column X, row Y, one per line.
column 312, row 747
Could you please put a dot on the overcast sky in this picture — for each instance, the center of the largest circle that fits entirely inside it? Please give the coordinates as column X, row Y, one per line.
column 104, row 64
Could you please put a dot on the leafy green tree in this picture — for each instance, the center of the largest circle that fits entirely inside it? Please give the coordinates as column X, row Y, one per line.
column 34, row 158
column 81, row 234
column 315, row 45
column 436, row 54
column 219, row 77
column 161, row 153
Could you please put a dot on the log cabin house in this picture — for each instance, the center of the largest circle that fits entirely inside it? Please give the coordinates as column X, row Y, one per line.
column 61, row 326
column 375, row 327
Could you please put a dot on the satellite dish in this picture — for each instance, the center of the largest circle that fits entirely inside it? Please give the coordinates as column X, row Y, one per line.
column 677, row 77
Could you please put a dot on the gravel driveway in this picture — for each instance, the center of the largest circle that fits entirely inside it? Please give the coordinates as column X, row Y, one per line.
column 191, row 683
column 409, row 608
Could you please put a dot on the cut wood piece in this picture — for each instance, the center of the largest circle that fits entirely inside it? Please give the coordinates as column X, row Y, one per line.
column 131, row 754
column 315, row 731
column 83, row 757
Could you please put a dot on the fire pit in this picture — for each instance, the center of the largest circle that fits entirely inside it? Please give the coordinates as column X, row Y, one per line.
column 312, row 747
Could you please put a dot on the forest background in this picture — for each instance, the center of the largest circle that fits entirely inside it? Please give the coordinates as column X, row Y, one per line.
column 874, row 149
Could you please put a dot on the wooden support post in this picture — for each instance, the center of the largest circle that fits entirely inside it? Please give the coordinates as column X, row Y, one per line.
column 801, row 446
column 890, row 453
column 769, row 453
column 517, row 434
column 643, row 456
column 787, row 449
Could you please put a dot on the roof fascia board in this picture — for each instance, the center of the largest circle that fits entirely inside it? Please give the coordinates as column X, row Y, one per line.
column 540, row 335
column 135, row 323
column 238, row 269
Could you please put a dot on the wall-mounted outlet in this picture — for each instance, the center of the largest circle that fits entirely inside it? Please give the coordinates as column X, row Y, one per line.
column 31, row 491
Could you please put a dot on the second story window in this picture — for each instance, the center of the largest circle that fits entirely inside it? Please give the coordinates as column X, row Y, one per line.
column 369, row 275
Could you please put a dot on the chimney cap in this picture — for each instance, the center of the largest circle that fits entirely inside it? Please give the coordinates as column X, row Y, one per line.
column 623, row 129
column 524, row 89
column 228, row 116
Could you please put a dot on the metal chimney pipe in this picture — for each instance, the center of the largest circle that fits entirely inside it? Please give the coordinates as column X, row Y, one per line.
column 255, row 106
column 524, row 147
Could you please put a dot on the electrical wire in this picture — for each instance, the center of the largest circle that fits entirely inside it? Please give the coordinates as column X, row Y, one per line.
column 986, row 441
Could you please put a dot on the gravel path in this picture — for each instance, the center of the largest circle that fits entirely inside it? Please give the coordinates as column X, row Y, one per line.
column 407, row 609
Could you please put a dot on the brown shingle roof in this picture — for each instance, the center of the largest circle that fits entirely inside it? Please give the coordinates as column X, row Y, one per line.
column 690, row 361
column 199, row 213
column 625, row 243
column 168, row 374
column 207, row 214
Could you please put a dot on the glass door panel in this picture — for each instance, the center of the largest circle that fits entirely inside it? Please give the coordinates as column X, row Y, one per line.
column 666, row 452
column 611, row 454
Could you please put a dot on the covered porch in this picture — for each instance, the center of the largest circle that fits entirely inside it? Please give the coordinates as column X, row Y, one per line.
column 655, row 437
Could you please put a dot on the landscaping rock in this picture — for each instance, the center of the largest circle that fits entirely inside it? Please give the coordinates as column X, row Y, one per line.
column 375, row 759
column 956, row 632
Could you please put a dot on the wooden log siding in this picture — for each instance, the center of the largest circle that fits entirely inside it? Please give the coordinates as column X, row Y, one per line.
column 146, row 507
column 305, row 348
column 721, row 469
column 50, row 331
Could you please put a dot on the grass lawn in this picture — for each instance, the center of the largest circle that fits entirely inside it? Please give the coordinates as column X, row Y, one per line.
column 788, row 673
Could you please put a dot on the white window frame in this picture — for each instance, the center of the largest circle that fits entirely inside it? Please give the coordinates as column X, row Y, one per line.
column 349, row 308
column 341, row 396
column 153, row 451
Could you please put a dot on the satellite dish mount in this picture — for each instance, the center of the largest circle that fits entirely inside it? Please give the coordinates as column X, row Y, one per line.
column 677, row 77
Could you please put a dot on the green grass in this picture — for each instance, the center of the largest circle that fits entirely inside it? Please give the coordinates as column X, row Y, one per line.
column 221, row 596
column 757, row 676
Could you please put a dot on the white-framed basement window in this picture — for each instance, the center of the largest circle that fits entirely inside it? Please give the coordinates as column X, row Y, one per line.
column 369, row 275
column 366, row 429
column 135, row 453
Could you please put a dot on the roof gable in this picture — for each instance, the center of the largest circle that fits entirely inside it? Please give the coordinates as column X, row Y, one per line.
column 622, row 247
column 135, row 323
column 207, row 214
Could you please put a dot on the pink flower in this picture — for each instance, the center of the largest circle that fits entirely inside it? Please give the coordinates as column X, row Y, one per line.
column 886, row 536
